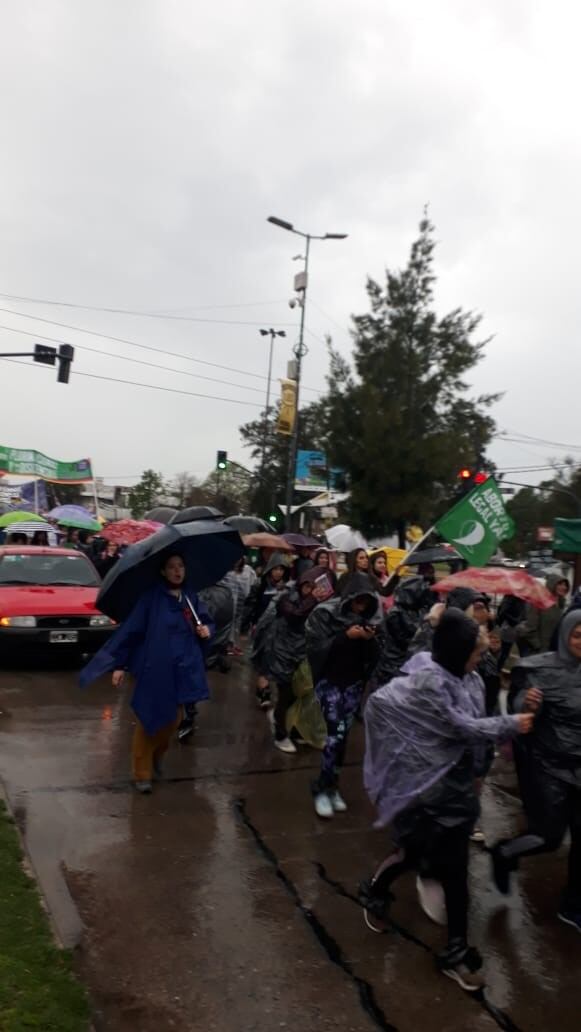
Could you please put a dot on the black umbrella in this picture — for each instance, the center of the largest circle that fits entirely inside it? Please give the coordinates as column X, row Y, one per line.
column 249, row 524
column 301, row 540
column 441, row 554
column 197, row 512
column 208, row 548
column 162, row 514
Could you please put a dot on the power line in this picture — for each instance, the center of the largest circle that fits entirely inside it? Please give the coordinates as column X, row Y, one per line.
column 147, row 315
column 538, row 440
column 141, row 361
column 131, row 343
column 150, row 386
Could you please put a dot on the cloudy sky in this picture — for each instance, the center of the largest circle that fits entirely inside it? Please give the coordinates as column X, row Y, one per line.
column 144, row 143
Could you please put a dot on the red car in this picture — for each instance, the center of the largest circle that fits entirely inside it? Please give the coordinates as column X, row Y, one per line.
column 47, row 598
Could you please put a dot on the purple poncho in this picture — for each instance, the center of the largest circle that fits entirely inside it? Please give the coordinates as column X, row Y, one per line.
column 417, row 728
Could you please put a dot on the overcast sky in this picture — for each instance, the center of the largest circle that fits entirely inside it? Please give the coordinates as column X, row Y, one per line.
column 144, row 143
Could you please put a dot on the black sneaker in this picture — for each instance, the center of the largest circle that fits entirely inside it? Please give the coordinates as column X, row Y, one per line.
column 372, row 902
column 185, row 729
column 264, row 698
column 462, row 964
column 570, row 917
column 501, row 869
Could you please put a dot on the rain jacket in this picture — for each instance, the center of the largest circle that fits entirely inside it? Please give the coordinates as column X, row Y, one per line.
column 326, row 626
column 220, row 606
column 539, row 625
column 159, row 647
column 263, row 591
column 421, row 733
column 286, row 648
column 555, row 744
column 412, row 598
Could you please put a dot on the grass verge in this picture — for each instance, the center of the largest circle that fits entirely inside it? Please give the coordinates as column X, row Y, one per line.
column 38, row 989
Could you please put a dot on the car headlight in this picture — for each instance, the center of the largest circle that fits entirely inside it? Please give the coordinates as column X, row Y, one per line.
column 101, row 621
column 17, row 621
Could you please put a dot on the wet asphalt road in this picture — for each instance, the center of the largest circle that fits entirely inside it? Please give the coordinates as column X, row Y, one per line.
column 221, row 903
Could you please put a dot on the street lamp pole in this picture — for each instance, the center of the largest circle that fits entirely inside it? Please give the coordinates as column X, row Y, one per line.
column 300, row 350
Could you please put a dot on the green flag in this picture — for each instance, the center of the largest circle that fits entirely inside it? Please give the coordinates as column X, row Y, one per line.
column 477, row 523
column 567, row 536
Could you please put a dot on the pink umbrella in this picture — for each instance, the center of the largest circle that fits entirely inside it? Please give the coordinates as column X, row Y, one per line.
column 129, row 532
column 499, row 581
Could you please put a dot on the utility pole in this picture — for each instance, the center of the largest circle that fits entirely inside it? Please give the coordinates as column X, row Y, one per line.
column 299, row 351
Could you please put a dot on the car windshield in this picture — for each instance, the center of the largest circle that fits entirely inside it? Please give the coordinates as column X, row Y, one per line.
column 69, row 570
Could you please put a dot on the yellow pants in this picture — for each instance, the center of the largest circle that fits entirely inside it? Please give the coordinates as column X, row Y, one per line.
column 147, row 748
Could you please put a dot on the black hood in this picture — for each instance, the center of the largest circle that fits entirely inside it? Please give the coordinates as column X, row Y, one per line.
column 277, row 559
column 358, row 584
column 454, row 641
column 413, row 593
column 463, row 598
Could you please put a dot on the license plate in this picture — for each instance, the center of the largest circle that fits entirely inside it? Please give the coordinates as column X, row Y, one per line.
column 63, row 637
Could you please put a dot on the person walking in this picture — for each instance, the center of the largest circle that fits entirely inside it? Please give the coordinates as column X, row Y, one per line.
column 162, row 645
column 287, row 648
column 323, row 561
column 426, row 734
column 549, row 685
column 534, row 633
column 342, row 650
column 378, row 568
column 412, row 599
column 266, row 590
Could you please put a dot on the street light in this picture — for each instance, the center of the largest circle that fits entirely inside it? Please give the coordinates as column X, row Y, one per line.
column 300, row 349
column 272, row 334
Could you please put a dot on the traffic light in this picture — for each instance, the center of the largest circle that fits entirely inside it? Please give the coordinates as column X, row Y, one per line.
column 272, row 518
column 469, row 479
column 45, row 354
column 221, row 460
column 66, row 353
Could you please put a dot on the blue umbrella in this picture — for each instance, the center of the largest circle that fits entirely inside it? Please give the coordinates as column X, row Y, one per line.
column 208, row 548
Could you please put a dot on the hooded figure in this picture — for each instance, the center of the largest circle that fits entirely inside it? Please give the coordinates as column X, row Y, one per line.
column 535, row 632
column 286, row 647
column 357, row 562
column 342, row 650
column 424, row 737
column 164, row 648
column 412, row 599
column 258, row 613
column 550, row 768
column 459, row 598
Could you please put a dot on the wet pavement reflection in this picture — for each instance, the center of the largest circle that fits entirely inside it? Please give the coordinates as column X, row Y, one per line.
column 222, row 903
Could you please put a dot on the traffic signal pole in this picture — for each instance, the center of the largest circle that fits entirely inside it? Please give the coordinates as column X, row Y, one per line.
column 48, row 356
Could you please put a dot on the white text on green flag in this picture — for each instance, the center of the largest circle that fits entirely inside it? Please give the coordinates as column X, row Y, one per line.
column 477, row 524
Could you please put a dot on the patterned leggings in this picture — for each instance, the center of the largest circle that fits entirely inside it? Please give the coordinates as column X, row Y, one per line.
column 339, row 706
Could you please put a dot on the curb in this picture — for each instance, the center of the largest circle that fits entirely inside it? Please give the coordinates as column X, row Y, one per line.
column 65, row 921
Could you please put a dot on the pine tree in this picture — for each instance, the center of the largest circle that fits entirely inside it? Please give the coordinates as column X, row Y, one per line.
column 400, row 423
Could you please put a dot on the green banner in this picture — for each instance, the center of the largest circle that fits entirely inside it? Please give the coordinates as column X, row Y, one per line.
column 567, row 536
column 23, row 463
column 477, row 524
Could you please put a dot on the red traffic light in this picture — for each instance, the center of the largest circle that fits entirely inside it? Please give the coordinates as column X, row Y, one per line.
column 481, row 478
column 465, row 474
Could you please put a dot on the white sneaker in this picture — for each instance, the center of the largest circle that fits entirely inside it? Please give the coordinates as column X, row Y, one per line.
column 323, row 805
column 285, row 745
column 432, row 900
column 337, row 802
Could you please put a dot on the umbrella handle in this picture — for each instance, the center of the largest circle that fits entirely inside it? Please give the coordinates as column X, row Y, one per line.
column 197, row 620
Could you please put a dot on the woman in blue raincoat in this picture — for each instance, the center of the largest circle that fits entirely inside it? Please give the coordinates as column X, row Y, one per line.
column 162, row 644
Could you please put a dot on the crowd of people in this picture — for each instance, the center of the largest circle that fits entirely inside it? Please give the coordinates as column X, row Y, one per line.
column 423, row 673
column 103, row 554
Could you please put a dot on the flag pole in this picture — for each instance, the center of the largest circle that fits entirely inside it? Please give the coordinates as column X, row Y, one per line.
column 411, row 552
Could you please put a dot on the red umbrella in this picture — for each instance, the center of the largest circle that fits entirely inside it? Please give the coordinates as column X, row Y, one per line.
column 499, row 581
column 129, row 532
